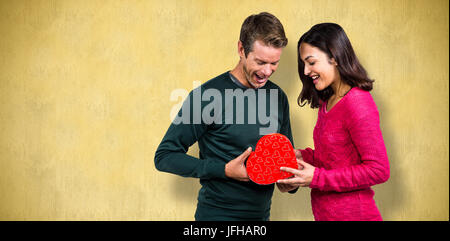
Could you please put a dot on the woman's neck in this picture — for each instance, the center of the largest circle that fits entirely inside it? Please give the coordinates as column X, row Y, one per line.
column 340, row 89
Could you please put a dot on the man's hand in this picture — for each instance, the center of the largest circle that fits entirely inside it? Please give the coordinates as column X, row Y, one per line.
column 236, row 169
column 286, row 187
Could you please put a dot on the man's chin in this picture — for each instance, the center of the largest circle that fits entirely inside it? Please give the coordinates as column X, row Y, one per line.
column 257, row 85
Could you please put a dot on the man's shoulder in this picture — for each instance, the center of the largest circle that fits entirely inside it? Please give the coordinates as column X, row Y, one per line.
column 218, row 82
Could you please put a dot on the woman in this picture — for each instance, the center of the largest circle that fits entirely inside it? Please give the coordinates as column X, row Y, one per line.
column 350, row 155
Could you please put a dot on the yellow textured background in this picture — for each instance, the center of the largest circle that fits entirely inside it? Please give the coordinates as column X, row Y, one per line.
column 85, row 100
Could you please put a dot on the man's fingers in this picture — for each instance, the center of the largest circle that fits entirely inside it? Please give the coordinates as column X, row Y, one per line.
column 244, row 179
column 282, row 187
column 245, row 154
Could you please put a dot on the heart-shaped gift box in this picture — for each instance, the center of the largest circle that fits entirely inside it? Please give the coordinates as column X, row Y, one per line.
column 271, row 152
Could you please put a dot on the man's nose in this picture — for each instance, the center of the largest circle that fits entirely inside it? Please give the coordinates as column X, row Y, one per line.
column 267, row 70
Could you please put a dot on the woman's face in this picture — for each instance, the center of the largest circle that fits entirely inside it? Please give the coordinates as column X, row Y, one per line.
column 322, row 70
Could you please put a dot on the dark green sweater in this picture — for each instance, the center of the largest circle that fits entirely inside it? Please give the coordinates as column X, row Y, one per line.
column 222, row 138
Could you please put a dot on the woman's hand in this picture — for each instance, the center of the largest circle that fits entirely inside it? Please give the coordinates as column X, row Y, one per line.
column 303, row 176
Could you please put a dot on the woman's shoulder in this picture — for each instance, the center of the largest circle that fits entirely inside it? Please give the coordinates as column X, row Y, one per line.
column 357, row 96
column 359, row 102
column 356, row 93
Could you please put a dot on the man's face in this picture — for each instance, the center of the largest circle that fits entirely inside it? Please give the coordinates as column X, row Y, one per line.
column 259, row 64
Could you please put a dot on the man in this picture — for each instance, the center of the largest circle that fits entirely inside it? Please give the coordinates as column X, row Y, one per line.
column 231, row 123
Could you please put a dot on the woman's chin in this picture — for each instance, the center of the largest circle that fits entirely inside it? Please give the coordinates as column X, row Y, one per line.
column 319, row 87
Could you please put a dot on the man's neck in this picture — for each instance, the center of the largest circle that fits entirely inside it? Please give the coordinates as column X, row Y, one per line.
column 238, row 72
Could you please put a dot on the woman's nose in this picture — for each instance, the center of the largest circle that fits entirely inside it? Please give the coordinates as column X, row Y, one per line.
column 306, row 70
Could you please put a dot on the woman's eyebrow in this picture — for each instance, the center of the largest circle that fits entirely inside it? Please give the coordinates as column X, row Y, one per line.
column 308, row 57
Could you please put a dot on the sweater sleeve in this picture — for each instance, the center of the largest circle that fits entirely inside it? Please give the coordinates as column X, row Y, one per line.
column 308, row 155
column 171, row 153
column 364, row 128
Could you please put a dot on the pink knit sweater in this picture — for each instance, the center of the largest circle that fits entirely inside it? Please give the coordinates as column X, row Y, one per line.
column 349, row 156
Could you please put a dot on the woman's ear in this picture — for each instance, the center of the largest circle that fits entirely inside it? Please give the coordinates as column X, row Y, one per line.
column 333, row 62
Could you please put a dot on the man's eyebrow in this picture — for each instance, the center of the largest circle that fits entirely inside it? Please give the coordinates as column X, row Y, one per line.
column 260, row 60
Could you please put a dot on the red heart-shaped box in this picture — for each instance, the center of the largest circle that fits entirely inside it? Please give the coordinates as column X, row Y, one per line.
column 272, row 152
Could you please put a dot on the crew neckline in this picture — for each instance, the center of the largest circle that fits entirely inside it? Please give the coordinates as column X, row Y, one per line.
column 236, row 81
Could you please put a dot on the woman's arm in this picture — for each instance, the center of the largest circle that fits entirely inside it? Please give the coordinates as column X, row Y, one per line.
column 363, row 125
column 364, row 128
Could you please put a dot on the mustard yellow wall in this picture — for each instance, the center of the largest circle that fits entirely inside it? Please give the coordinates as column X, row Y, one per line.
column 85, row 100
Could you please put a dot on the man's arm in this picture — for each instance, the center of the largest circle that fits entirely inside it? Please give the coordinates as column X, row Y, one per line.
column 171, row 153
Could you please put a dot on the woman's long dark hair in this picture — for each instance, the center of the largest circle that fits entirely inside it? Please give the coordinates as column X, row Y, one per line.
column 332, row 40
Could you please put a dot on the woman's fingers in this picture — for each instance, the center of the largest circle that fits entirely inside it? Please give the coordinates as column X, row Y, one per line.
column 292, row 181
column 291, row 170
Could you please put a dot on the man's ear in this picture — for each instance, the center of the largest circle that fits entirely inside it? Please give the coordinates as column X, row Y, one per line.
column 241, row 50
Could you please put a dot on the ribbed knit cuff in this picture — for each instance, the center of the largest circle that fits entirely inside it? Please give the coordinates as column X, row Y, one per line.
column 307, row 157
column 315, row 181
column 216, row 169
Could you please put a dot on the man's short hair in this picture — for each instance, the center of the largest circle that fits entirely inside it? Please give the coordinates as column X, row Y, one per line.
column 264, row 27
